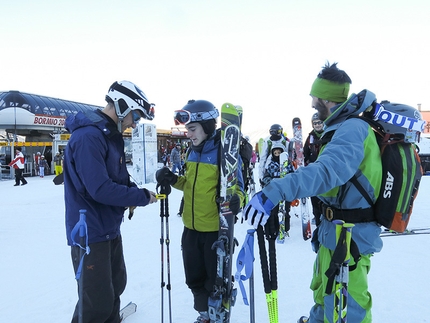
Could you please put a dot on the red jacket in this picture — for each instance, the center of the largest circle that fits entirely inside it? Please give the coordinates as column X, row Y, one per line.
column 18, row 162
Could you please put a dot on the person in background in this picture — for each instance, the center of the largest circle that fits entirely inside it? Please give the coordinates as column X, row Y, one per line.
column 276, row 136
column 36, row 163
column 96, row 179
column 273, row 170
column 201, row 211
column 175, row 157
column 311, row 149
column 58, row 163
column 18, row 164
column 42, row 165
column 329, row 179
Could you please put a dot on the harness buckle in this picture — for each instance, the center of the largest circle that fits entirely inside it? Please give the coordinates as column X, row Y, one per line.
column 329, row 215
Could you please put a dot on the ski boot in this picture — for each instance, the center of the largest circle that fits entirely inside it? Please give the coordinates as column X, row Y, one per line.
column 303, row 319
column 203, row 318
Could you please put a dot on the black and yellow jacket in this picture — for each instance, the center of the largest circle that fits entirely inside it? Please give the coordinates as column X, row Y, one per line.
column 200, row 185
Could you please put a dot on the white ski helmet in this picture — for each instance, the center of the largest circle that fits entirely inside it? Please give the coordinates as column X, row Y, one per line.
column 127, row 97
column 399, row 119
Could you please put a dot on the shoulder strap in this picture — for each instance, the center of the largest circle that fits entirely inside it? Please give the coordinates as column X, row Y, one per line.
column 326, row 138
column 361, row 189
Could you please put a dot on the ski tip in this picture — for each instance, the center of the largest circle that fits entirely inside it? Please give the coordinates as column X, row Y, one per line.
column 228, row 105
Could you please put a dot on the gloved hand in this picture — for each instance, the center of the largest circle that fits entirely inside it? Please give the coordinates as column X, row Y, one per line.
column 265, row 181
column 131, row 211
column 257, row 211
column 165, row 176
column 234, row 204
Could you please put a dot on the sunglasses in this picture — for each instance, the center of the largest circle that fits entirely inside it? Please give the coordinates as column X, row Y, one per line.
column 315, row 123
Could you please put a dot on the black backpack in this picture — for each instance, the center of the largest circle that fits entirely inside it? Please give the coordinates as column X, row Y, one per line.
column 396, row 127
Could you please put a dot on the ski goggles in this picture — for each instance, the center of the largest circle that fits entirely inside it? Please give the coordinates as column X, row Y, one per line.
column 183, row 117
column 136, row 116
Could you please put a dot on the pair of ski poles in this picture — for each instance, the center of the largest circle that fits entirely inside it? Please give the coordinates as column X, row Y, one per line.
column 338, row 271
column 165, row 239
column 268, row 268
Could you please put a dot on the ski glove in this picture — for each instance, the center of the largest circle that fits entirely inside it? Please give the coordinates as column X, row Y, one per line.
column 234, row 204
column 265, row 181
column 257, row 211
column 165, row 176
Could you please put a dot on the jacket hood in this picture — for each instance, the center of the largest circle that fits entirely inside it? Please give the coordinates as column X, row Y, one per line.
column 356, row 104
column 88, row 118
column 277, row 145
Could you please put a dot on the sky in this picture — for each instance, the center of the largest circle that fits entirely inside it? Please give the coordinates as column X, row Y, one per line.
column 262, row 55
column 38, row 284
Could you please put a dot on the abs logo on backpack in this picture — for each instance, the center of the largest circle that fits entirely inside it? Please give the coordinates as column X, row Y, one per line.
column 389, row 182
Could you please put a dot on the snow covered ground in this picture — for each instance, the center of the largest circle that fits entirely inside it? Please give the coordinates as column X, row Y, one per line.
column 37, row 281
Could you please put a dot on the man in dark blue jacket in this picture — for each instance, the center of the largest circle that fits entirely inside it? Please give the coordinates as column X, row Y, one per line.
column 96, row 179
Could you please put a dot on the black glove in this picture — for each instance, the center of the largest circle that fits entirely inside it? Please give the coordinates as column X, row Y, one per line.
column 234, row 204
column 165, row 177
column 265, row 181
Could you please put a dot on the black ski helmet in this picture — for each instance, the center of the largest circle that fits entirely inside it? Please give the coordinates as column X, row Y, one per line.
column 276, row 130
column 201, row 111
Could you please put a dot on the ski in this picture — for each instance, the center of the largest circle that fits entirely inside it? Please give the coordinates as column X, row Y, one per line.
column 298, row 161
column 223, row 295
column 59, row 179
column 127, row 310
column 391, row 233
column 283, row 161
column 260, row 147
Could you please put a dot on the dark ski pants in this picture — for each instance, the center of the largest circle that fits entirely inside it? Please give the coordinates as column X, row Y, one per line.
column 200, row 263
column 104, row 278
column 19, row 177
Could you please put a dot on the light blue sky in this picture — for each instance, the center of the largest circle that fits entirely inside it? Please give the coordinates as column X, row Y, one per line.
column 263, row 55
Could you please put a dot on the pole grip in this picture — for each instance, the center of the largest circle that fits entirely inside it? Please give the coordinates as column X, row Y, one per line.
column 82, row 221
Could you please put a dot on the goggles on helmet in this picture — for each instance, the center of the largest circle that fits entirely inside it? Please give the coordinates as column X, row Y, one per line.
column 183, row 117
column 275, row 132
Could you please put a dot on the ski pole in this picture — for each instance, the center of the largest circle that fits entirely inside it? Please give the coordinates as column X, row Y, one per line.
column 271, row 235
column 251, row 297
column 338, row 271
column 168, row 286
column 81, row 227
column 162, row 259
column 265, row 270
column 245, row 260
column 81, row 254
column 164, row 213
column 343, row 230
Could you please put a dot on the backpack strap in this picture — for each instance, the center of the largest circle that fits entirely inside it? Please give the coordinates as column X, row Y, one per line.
column 361, row 189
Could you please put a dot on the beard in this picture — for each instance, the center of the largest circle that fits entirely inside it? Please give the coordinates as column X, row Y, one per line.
column 323, row 111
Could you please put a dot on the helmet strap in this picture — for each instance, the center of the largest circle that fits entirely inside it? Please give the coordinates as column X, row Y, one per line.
column 120, row 115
